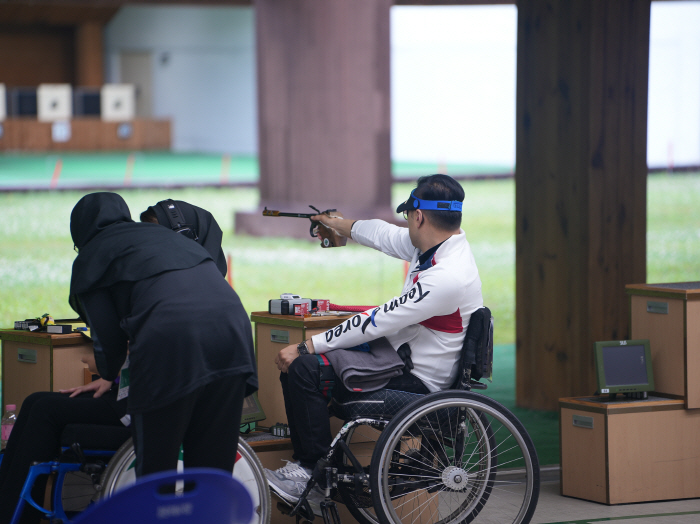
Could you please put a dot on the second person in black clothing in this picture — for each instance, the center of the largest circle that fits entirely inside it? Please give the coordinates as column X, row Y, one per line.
column 152, row 291
column 191, row 221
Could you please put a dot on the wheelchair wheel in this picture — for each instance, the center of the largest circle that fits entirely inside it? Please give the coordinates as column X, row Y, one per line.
column 250, row 471
column 120, row 473
column 454, row 457
column 77, row 493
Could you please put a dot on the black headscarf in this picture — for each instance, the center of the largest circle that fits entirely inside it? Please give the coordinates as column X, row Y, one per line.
column 113, row 248
column 208, row 231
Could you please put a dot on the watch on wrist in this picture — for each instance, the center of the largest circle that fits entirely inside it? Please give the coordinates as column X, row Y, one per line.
column 302, row 348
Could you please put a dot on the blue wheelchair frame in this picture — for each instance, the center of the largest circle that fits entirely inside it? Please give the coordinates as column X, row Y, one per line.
column 48, row 468
column 61, row 469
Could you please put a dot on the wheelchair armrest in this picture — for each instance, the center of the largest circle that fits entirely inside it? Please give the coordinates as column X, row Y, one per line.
column 478, row 385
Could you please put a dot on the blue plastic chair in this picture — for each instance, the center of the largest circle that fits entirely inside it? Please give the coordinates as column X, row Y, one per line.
column 210, row 496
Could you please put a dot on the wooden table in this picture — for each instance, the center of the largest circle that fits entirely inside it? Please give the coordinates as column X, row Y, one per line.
column 41, row 362
column 272, row 333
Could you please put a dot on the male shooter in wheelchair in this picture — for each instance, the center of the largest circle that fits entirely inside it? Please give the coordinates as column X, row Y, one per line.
column 44, row 415
column 430, row 317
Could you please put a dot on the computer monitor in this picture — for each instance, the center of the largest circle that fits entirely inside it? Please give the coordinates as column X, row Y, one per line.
column 624, row 366
column 252, row 410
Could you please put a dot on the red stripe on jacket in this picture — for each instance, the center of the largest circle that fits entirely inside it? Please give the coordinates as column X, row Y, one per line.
column 451, row 323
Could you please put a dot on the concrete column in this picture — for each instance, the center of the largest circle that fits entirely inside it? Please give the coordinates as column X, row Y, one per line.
column 323, row 109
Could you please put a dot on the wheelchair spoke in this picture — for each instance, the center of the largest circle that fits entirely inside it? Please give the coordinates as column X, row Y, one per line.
column 412, row 499
column 414, row 461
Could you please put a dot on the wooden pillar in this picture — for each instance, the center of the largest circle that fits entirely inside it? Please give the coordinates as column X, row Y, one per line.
column 88, row 54
column 323, row 107
column 580, row 186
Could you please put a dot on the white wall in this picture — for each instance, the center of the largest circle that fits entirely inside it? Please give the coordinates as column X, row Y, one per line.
column 453, row 83
column 203, row 71
column 674, row 85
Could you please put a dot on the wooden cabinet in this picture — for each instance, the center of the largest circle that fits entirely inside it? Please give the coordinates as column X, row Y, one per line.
column 669, row 316
column 629, row 451
column 642, row 450
column 41, row 362
column 272, row 333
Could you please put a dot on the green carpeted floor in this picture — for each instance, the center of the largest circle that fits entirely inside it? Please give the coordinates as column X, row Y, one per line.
column 543, row 426
column 21, row 171
column 114, row 170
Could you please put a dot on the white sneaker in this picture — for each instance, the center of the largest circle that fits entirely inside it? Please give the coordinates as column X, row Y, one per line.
column 289, row 482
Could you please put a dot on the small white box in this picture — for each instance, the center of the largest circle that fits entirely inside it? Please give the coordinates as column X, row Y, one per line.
column 54, row 102
column 118, row 102
column 61, row 131
column 3, row 103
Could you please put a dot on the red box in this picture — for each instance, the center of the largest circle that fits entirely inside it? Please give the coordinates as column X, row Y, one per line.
column 323, row 305
column 301, row 309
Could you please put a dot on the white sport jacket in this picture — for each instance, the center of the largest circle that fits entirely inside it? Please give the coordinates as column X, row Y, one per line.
column 431, row 314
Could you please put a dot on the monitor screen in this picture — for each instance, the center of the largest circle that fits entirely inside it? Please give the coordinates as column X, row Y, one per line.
column 252, row 410
column 624, row 366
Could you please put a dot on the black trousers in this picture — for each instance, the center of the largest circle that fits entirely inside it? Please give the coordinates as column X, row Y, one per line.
column 206, row 422
column 307, row 408
column 36, row 436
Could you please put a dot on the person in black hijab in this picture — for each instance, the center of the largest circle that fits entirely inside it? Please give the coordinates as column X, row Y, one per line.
column 191, row 221
column 151, row 290
column 44, row 415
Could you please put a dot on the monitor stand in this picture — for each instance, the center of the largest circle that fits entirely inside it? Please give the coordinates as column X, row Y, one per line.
column 637, row 395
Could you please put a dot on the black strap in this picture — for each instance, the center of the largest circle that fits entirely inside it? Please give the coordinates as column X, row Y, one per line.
column 172, row 211
column 404, row 352
column 176, row 218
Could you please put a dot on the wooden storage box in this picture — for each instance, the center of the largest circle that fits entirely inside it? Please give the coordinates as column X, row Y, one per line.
column 669, row 316
column 629, row 451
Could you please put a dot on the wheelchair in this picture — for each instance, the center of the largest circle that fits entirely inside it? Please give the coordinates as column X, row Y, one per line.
column 449, row 457
column 98, row 461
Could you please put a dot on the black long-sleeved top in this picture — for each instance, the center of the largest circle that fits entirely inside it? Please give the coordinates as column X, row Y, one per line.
column 182, row 328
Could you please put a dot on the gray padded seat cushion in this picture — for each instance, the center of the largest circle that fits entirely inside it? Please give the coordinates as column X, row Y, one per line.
column 384, row 403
